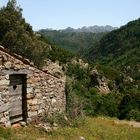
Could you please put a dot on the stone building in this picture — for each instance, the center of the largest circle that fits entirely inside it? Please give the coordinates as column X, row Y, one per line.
column 27, row 92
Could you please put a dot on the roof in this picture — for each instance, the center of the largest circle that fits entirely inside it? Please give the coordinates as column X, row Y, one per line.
column 24, row 60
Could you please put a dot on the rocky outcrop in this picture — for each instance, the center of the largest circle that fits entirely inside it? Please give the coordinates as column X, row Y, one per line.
column 99, row 81
column 80, row 62
column 54, row 69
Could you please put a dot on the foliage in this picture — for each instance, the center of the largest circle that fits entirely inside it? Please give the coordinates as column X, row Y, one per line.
column 94, row 128
column 118, row 48
column 73, row 41
column 18, row 36
column 130, row 105
column 80, row 91
column 58, row 118
column 75, row 70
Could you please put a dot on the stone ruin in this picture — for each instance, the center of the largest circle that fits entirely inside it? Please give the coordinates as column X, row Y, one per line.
column 26, row 92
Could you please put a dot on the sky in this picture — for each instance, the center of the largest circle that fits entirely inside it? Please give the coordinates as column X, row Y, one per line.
column 60, row 14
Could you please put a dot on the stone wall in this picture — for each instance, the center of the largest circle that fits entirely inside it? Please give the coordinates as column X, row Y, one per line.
column 45, row 93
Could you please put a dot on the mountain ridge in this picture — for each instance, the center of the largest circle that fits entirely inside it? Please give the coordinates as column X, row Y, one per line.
column 92, row 29
column 76, row 39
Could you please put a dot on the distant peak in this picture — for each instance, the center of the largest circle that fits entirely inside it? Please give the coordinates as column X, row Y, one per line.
column 93, row 29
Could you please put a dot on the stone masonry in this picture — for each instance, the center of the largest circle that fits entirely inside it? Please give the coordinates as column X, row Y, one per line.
column 45, row 92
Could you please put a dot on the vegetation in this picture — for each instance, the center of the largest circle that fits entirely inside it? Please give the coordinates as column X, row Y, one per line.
column 92, row 129
column 73, row 41
column 115, row 55
column 120, row 64
column 18, row 36
column 120, row 47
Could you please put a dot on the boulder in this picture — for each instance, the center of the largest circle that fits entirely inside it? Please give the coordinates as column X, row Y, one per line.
column 99, row 81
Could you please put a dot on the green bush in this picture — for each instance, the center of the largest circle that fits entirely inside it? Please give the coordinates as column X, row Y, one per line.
column 134, row 114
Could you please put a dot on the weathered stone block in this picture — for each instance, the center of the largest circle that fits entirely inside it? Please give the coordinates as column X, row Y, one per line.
column 29, row 89
column 8, row 65
column 34, row 101
column 34, row 108
column 30, row 96
column 4, row 82
column 40, row 111
column 54, row 101
column 37, row 90
column 32, row 114
column 1, row 61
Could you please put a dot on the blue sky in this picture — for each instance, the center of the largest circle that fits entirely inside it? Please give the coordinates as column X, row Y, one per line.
column 59, row 14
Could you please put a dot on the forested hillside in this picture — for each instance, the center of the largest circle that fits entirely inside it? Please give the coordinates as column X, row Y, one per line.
column 120, row 50
column 72, row 40
column 120, row 47
column 117, row 56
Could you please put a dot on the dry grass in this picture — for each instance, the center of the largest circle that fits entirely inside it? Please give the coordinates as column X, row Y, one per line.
column 93, row 129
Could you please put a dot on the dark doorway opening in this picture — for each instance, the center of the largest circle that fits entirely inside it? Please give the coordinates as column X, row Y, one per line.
column 18, row 98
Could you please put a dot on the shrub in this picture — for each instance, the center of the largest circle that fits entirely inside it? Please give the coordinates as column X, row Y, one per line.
column 134, row 114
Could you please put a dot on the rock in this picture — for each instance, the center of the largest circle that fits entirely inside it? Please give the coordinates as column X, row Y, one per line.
column 8, row 65
column 80, row 62
column 17, row 125
column 53, row 101
column 7, row 124
column 82, row 138
column 128, row 80
column 55, row 124
column 41, row 139
column 32, row 113
column 55, row 128
column 65, row 118
column 1, row 61
column 29, row 120
column 34, row 101
column 45, row 126
column 30, row 90
column 99, row 81
column 22, row 123
column 54, row 68
column 4, row 57
column 4, row 82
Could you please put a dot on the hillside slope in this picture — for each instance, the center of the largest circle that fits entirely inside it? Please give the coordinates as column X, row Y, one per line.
column 73, row 40
column 119, row 47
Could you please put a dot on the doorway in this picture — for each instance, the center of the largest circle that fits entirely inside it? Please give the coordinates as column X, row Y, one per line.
column 18, row 100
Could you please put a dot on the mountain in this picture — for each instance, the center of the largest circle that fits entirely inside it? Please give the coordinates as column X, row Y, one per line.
column 118, row 54
column 73, row 41
column 76, row 39
column 120, row 47
column 92, row 29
